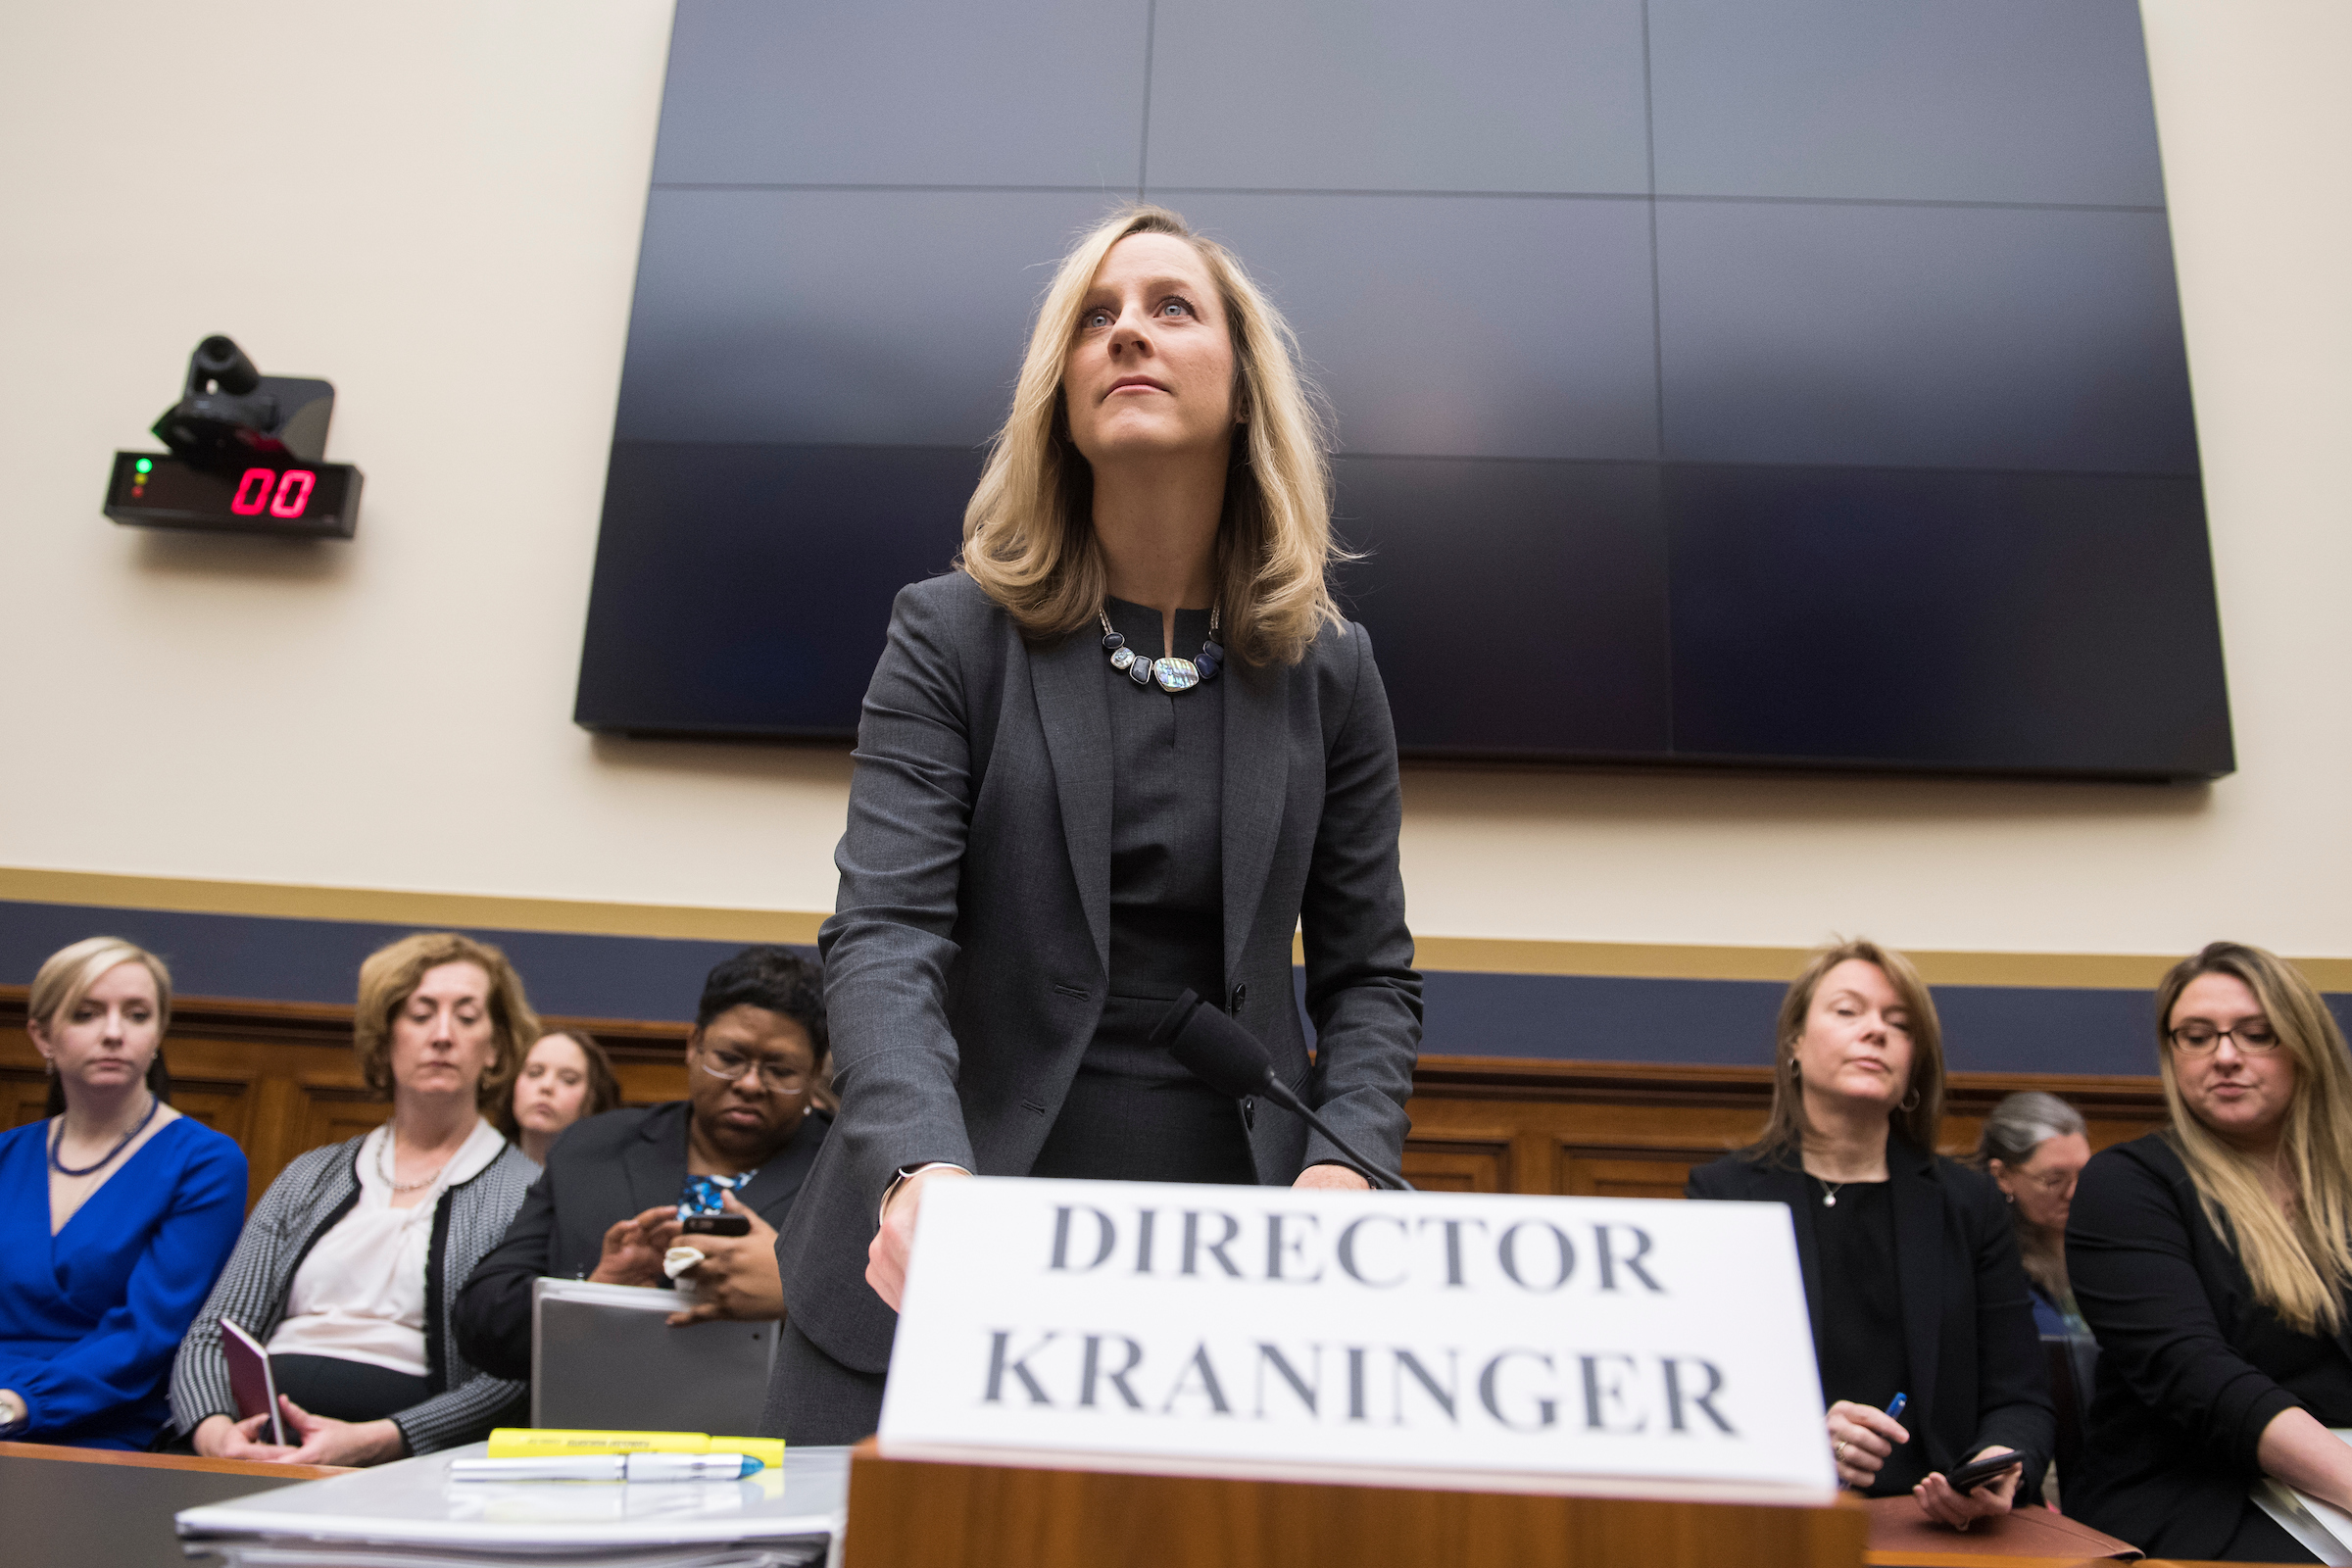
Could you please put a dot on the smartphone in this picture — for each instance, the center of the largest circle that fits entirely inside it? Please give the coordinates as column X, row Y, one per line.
column 716, row 1225
column 1975, row 1474
column 249, row 1379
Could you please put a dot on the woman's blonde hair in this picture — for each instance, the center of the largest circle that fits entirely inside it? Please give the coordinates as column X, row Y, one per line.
column 1028, row 531
column 1919, row 1116
column 392, row 974
column 66, row 977
column 2301, row 1265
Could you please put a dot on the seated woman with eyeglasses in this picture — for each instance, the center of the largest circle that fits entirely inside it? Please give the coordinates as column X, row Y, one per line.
column 2034, row 1147
column 620, row 1187
column 2212, row 1259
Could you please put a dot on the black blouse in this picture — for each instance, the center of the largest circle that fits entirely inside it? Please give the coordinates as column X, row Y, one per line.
column 1132, row 1114
column 1861, row 1352
column 2191, row 1367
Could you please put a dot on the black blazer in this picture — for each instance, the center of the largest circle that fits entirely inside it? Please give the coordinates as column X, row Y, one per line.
column 1976, row 1374
column 968, row 956
column 600, row 1171
column 2191, row 1368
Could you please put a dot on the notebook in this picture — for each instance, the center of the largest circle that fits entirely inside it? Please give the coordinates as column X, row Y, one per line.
column 412, row 1515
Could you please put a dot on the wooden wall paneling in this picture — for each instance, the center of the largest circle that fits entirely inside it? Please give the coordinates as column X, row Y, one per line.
column 280, row 1078
column 1601, row 1129
column 1458, row 1164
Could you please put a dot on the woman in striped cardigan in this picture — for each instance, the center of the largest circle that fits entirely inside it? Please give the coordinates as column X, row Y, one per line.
column 349, row 1269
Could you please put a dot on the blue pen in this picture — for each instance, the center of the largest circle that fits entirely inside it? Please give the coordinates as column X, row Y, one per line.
column 1894, row 1406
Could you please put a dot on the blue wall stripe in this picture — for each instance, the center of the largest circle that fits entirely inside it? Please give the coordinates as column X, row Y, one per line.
column 1560, row 1017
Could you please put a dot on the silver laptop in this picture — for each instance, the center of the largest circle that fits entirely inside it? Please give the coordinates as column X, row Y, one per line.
column 604, row 1356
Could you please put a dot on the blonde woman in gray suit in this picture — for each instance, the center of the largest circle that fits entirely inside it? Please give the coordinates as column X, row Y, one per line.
column 1125, row 750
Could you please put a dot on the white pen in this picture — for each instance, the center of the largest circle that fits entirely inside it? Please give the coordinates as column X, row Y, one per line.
column 607, row 1467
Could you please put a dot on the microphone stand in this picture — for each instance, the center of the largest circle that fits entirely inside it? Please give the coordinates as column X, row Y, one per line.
column 1280, row 1093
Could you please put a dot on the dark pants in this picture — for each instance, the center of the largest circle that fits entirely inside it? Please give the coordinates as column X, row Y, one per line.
column 814, row 1400
column 346, row 1391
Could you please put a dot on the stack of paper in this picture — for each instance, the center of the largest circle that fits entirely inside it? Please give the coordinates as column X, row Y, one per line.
column 2323, row 1530
column 413, row 1515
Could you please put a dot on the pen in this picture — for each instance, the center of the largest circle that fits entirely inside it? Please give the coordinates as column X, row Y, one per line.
column 607, row 1467
column 1894, row 1406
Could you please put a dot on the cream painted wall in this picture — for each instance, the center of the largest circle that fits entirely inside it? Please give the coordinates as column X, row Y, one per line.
column 460, row 230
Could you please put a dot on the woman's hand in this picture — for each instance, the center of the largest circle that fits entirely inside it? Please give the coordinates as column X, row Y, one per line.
column 886, row 1256
column 1336, row 1178
column 737, row 1277
column 1941, row 1501
column 2307, row 1456
column 327, row 1441
column 1860, row 1440
column 217, row 1436
column 633, row 1248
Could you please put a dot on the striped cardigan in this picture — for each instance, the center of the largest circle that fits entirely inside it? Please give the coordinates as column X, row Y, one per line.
column 304, row 1204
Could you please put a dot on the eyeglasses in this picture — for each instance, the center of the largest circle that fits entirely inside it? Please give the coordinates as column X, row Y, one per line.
column 2253, row 1037
column 774, row 1076
column 2053, row 1182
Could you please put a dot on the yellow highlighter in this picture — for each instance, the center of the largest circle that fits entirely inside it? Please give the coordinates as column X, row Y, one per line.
column 533, row 1443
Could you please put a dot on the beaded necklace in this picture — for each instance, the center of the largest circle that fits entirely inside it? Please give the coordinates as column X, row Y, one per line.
column 1173, row 674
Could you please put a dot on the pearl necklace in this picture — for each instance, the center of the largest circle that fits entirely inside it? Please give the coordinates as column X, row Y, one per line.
column 1173, row 674
column 383, row 1163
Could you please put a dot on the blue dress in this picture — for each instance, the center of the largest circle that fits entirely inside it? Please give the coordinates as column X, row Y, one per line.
column 92, row 1317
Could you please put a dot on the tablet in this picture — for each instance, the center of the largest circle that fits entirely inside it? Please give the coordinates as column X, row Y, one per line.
column 605, row 1355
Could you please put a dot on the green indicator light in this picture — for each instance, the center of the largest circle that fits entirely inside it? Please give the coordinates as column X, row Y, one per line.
column 143, row 466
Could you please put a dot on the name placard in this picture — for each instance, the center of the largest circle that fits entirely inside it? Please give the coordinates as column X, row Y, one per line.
column 1613, row 1346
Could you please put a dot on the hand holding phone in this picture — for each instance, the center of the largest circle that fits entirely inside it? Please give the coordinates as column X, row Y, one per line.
column 716, row 1225
column 1977, row 1472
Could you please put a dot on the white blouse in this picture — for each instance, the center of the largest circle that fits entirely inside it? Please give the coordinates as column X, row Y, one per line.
column 360, row 1292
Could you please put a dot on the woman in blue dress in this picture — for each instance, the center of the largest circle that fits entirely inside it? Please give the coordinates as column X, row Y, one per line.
column 117, row 1212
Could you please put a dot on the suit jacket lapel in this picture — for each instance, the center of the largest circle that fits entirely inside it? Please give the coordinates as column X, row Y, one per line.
column 776, row 1181
column 655, row 1160
column 1788, row 1185
column 1072, row 708
column 1918, row 1257
column 1258, row 777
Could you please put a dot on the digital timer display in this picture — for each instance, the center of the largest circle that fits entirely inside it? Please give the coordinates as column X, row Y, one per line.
column 277, row 494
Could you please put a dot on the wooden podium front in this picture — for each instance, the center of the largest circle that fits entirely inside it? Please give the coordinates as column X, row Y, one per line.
column 904, row 1514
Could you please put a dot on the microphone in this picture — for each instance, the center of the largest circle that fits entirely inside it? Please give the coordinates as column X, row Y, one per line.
column 1227, row 1058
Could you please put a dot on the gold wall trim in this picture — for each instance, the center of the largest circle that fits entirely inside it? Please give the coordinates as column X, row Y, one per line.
column 1468, row 955
column 298, row 902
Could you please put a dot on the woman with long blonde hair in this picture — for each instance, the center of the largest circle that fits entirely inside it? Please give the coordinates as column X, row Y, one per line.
column 1122, row 753
column 2212, row 1259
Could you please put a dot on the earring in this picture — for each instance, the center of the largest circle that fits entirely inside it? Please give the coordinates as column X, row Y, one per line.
column 2009, row 1197
column 1910, row 1102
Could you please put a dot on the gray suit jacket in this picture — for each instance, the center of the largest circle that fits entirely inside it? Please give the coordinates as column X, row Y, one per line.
column 968, row 958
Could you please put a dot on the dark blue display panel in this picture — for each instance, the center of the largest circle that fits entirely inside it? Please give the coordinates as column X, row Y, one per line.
column 1717, row 381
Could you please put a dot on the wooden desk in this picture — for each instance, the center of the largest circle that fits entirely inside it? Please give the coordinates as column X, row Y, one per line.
column 67, row 1507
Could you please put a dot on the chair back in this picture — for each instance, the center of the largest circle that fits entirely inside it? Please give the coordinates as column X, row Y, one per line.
column 2072, row 1361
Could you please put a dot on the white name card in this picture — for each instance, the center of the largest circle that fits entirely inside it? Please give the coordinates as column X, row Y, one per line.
column 1616, row 1346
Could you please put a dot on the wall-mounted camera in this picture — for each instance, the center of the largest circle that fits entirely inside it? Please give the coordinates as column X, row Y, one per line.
column 245, row 456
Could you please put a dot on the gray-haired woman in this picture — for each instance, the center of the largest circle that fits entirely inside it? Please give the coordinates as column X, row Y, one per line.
column 2034, row 1144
